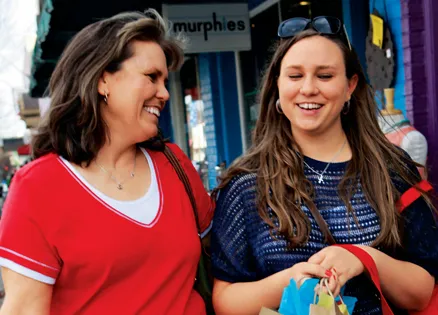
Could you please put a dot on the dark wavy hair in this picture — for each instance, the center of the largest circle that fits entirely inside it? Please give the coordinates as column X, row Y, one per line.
column 281, row 183
column 74, row 127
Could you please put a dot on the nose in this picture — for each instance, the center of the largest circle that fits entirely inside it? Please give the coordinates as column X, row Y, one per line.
column 309, row 87
column 163, row 93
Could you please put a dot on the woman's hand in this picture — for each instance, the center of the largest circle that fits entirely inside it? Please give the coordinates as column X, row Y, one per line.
column 341, row 262
column 305, row 270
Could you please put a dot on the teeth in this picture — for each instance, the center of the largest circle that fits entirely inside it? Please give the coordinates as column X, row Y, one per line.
column 309, row 106
column 153, row 110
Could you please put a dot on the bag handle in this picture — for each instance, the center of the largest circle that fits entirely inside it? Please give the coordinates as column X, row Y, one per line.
column 412, row 194
column 185, row 180
column 370, row 266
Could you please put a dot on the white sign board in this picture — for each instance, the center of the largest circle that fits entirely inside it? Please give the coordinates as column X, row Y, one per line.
column 211, row 27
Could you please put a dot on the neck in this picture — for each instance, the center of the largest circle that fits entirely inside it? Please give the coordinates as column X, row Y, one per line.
column 115, row 155
column 325, row 146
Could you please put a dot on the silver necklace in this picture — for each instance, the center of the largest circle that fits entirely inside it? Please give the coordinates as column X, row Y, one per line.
column 321, row 175
column 114, row 179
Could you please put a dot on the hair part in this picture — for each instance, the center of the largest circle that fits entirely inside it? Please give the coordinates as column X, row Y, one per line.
column 73, row 127
column 277, row 160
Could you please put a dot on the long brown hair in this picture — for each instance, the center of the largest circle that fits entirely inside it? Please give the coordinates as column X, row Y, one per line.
column 281, row 183
column 74, row 127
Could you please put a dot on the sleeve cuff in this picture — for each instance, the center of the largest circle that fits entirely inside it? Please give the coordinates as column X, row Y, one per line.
column 26, row 271
column 207, row 230
column 28, row 263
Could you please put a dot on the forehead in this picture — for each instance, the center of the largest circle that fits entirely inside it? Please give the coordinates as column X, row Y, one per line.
column 314, row 51
column 148, row 55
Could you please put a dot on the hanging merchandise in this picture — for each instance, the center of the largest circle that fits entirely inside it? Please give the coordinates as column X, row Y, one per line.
column 379, row 52
column 377, row 26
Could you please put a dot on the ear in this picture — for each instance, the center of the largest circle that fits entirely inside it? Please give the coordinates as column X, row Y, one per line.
column 352, row 83
column 102, row 85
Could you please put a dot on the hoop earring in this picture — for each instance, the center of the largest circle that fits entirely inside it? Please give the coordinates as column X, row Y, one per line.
column 346, row 108
column 105, row 98
column 278, row 107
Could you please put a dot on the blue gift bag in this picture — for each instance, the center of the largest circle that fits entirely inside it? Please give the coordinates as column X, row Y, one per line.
column 297, row 301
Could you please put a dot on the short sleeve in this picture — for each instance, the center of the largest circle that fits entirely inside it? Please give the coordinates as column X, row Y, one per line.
column 23, row 245
column 231, row 254
column 420, row 236
column 419, row 228
column 203, row 201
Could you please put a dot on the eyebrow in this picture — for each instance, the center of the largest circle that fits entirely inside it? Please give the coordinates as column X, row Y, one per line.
column 322, row 67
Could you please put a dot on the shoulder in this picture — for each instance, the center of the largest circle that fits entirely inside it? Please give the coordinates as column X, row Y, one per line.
column 34, row 184
column 241, row 187
column 242, row 182
column 410, row 168
column 43, row 170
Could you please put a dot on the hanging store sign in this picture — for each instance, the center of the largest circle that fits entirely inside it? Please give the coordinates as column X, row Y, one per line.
column 211, row 27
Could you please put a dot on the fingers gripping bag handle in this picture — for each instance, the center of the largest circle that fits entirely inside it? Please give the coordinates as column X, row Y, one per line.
column 371, row 267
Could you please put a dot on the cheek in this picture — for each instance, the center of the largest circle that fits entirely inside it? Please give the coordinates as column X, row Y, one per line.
column 287, row 90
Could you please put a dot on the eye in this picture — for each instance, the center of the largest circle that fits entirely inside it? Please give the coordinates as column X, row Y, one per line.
column 325, row 76
column 152, row 76
column 295, row 76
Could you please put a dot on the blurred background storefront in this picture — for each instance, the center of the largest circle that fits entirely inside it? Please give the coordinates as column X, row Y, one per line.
column 214, row 97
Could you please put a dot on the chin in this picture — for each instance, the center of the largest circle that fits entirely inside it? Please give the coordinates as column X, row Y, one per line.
column 148, row 134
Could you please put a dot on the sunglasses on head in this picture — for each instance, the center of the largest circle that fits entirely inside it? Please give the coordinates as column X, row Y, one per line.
column 325, row 25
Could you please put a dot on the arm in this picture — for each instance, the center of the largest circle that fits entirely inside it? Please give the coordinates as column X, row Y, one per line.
column 238, row 288
column 247, row 298
column 408, row 278
column 406, row 285
column 25, row 295
column 30, row 264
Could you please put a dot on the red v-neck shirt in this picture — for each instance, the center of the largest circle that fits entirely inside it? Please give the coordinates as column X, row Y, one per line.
column 100, row 261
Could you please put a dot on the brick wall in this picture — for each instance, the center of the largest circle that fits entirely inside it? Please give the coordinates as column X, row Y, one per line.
column 420, row 43
column 414, row 62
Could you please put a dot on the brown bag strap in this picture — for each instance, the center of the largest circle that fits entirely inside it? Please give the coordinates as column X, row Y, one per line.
column 185, row 180
column 322, row 226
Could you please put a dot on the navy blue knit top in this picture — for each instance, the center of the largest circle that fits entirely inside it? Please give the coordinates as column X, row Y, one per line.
column 243, row 249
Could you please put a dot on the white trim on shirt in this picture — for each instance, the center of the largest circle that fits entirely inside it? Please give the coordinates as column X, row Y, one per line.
column 145, row 211
column 26, row 271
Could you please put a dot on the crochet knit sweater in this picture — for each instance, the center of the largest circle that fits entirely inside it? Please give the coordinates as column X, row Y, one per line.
column 243, row 249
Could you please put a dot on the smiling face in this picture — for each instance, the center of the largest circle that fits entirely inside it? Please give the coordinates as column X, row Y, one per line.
column 136, row 93
column 313, row 86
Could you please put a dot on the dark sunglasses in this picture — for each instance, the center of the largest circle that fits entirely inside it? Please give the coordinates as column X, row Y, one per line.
column 325, row 25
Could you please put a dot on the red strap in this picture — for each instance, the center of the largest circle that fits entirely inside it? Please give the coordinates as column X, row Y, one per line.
column 371, row 267
column 412, row 194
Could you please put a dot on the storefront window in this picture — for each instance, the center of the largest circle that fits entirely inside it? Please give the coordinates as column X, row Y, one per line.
column 195, row 118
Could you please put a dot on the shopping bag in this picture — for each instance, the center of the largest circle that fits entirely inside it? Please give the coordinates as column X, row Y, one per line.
column 297, row 301
column 268, row 311
column 327, row 304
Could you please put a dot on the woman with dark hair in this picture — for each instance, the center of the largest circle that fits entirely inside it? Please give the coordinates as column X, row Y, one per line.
column 317, row 148
column 99, row 222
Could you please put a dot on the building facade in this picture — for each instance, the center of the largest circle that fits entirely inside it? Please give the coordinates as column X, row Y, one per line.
column 213, row 106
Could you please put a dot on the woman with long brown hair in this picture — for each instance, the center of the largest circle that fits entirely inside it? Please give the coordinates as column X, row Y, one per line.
column 99, row 222
column 317, row 147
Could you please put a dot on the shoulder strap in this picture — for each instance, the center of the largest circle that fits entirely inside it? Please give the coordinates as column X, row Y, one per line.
column 322, row 226
column 412, row 194
column 185, row 180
